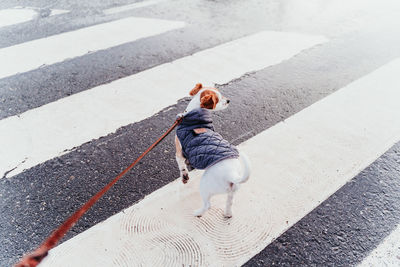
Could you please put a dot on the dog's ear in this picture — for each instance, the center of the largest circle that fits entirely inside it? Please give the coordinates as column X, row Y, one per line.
column 196, row 89
column 208, row 99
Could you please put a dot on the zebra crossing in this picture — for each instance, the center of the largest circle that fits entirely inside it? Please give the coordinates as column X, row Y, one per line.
column 290, row 177
column 113, row 106
column 57, row 48
column 54, row 156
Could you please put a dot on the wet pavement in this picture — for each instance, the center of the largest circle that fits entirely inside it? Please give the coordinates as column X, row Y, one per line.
column 363, row 36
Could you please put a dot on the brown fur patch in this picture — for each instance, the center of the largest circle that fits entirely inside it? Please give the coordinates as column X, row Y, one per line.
column 208, row 99
column 200, row 130
column 196, row 89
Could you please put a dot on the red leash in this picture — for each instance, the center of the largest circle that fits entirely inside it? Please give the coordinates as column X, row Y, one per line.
column 41, row 252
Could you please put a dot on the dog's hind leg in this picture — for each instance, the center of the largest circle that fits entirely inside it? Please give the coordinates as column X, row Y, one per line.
column 229, row 200
column 205, row 194
column 206, row 204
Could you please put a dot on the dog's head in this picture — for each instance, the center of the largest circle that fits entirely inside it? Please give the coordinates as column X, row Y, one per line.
column 209, row 97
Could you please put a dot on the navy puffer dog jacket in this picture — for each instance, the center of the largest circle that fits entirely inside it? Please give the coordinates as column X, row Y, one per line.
column 204, row 149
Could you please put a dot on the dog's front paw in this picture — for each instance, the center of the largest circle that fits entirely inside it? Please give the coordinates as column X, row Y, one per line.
column 185, row 178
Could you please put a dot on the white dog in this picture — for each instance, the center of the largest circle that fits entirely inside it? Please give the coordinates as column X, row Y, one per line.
column 200, row 146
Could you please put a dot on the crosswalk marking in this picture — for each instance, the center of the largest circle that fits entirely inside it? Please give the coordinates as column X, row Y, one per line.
column 14, row 16
column 31, row 55
column 43, row 133
column 387, row 253
column 297, row 164
column 17, row 15
column 118, row 9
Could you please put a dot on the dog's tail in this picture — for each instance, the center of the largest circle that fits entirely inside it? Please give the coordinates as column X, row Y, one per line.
column 245, row 170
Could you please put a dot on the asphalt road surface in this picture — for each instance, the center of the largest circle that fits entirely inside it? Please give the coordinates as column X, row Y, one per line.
column 315, row 102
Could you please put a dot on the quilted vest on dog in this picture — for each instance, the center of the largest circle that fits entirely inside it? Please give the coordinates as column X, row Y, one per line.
column 204, row 149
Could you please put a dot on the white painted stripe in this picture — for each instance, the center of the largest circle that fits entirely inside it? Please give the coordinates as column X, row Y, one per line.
column 297, row 164
column 58, row 12
column 31, row 55
column 136, row 5
column 22, row 14
column 43, row 133
column 13, row 16
column 387, row 253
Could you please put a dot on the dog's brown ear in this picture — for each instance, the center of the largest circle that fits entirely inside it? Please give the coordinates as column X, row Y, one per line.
column 196, row 89
column 208, row 99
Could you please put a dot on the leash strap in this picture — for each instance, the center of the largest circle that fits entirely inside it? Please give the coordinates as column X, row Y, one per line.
column 33, row 259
